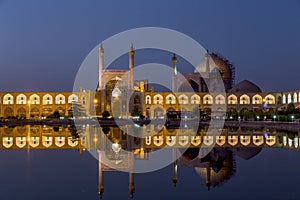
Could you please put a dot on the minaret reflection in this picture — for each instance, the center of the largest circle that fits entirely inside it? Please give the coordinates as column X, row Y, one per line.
column 117, row 150
column 175, row 178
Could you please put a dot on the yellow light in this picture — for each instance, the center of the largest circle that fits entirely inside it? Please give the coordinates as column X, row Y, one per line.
column 264, row 100
column 95, row 100
column 29, row 101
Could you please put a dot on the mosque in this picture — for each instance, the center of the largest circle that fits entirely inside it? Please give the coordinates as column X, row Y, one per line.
column 122, row 95
column 119, row 93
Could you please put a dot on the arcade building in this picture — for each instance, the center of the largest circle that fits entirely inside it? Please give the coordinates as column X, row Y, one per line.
column 122, row 96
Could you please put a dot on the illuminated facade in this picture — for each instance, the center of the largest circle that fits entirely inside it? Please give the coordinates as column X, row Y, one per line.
column 120, row 94
column 190, row 91
column 43, row 104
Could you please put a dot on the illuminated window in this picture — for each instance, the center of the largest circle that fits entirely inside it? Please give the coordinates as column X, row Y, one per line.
column 47, row 99
column 183, row 99
column 270, row 99
column 73, row 99
column 8, row 99
column 170, row 99
column 158, row 99
column 295, row 98
column 244, row 99
column 232, row 99
column 220, row 99
column 289, row 100
column 21, row 99
column 60, row 99
column 148, row 99
column 34, row 99
column 284, row 99
column 195, row 99
column 207, row 99
column 256, row 99
column 83, row 100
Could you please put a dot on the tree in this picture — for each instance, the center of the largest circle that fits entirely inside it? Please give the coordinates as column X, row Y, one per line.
column 290, row 108
column 136, row 111
column 105, row 130
column 196, row 112
column 56, row 114
column 77, row 110
column 75, row 132
column 105, row 114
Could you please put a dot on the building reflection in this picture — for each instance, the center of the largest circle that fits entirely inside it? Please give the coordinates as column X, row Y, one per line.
column 119, row 149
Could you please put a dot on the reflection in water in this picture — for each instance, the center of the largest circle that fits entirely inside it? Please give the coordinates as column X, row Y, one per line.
column 117, row 150
column 215, row 168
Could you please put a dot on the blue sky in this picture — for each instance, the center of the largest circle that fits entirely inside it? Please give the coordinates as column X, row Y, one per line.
column 42, row 43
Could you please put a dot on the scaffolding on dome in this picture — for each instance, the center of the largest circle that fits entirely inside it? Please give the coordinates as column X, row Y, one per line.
column 226, row 68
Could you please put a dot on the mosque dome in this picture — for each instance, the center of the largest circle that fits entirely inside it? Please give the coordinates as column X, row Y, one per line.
column 245, row 87
column 246, row 153
column 214, row 62
column 218, row 172
column 190, row 153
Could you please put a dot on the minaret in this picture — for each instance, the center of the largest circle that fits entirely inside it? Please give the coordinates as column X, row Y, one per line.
column 208, row 178
column 207, row 62
column 174, row 61
column 101, row 67
column 175, row 178
column 131, row 184
column 100, row 178
column 101, row 86
column 131, row 66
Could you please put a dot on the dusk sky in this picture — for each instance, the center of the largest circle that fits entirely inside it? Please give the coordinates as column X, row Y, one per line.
column 43, row 43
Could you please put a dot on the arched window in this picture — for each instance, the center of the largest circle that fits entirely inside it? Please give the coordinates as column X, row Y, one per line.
column 207, row 99
column 148, row 99
column 34, row 99
column 47, row 99
column 83, row 100
column 183, row 99
column 21, row 99
column 284, row 99
column 270, row 99
column 60, row 99
column 220, row 99
column 116, row 93
column 257, row 99
column 232, row 99
column 295, row 98
column 244, row 99
column 73, row 98
column 195, row 99
column 170, row 99
column 8, row 99
column 158, row 99
column 289, row 100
